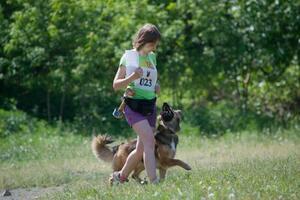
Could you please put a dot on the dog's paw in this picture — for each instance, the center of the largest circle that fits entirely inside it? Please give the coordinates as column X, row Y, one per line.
column 144, row 182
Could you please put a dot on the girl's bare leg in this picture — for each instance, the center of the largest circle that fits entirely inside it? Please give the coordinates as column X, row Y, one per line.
column 133, row 159
column 145, row 133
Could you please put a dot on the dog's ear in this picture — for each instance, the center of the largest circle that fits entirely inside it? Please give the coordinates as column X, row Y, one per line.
column 167, row 113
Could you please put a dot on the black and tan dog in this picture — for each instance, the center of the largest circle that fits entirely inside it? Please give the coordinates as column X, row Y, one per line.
column 166, row 142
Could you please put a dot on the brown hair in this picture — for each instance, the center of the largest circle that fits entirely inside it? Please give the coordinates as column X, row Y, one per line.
column 148, row 33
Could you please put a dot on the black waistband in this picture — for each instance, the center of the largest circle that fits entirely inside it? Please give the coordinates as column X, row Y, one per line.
column 142, row 106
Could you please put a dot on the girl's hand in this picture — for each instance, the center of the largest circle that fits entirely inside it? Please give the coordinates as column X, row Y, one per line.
column 129, row 92
column 157, row 88
column 138, row 73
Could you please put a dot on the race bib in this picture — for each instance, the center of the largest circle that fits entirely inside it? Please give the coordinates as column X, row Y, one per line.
column 149, row 78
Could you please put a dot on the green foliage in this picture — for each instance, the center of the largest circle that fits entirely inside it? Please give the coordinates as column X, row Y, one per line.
column 223, row 117
column 17, row 122
column 58, row 59
column 274, row 100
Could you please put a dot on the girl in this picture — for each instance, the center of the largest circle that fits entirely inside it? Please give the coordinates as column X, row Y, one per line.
column 137, row 71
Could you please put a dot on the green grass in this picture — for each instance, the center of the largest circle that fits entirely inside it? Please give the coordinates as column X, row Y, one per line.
column 265, row 179
column 235, row 166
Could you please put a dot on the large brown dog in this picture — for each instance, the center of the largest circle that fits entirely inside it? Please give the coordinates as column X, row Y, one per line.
column 165, row 146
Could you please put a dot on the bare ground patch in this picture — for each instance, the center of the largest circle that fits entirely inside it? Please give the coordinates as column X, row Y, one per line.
column 30, row 193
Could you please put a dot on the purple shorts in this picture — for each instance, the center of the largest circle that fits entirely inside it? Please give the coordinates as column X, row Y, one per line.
column 134, row 117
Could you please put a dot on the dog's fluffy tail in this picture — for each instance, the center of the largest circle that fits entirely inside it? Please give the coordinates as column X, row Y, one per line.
column 100, row 150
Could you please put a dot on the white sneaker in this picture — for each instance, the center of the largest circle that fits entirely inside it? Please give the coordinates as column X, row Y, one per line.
column 116, row 178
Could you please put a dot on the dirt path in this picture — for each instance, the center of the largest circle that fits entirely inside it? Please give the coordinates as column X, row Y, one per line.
column 30, row 193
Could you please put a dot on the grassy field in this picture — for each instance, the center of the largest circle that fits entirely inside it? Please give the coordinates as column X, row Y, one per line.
column 235, row 166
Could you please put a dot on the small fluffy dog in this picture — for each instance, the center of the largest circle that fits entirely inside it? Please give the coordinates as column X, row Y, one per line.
column 166, row 142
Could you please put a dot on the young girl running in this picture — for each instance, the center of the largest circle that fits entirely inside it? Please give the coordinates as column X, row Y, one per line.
column 137, row 71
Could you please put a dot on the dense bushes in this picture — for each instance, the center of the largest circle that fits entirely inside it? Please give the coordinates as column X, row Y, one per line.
column 224, row 117
column 13, row 122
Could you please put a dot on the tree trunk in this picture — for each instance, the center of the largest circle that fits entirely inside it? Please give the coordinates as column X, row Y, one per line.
column 62, row 103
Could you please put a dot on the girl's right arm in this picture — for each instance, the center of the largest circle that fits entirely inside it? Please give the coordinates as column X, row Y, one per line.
column 121, row 81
